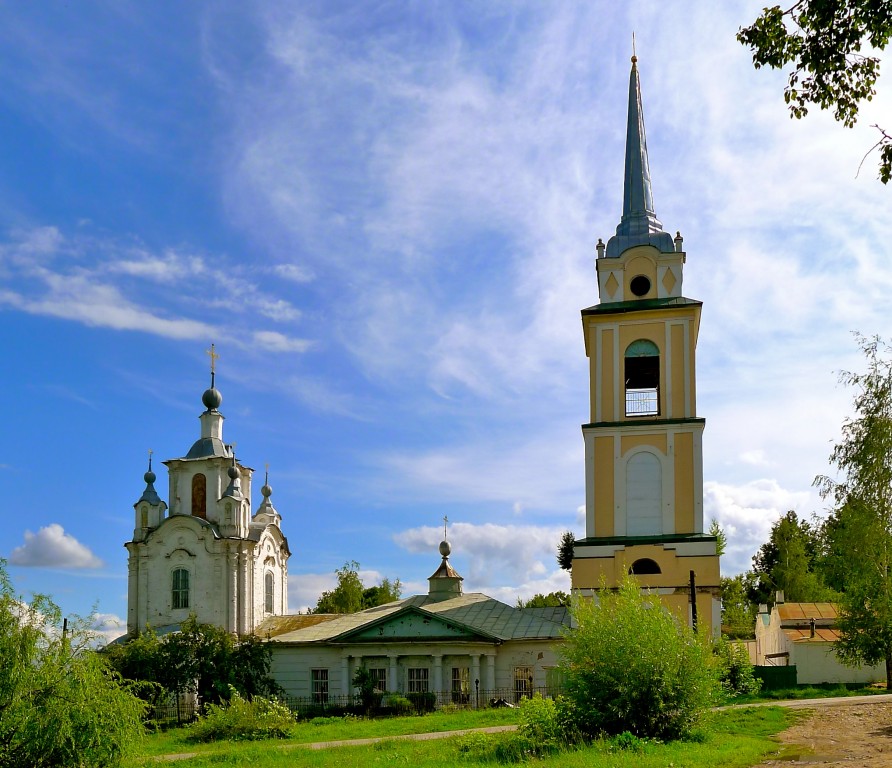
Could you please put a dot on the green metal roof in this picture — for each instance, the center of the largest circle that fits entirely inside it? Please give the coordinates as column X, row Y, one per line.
column 475, row 612
column 639, row 305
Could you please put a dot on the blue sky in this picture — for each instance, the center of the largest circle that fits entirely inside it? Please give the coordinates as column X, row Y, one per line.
column 384, row 215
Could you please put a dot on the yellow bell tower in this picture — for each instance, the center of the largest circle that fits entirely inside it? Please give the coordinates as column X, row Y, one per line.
column 644, row 443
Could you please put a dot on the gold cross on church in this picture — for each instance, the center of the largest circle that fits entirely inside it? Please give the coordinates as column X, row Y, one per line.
column 214, row 357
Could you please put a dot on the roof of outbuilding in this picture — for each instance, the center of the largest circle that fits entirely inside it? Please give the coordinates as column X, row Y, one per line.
column 795, row 612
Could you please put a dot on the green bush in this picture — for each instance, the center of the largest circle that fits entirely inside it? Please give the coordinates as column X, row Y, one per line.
column 545, row 726
column 243, row 720
column 398, row 705
column 422, row 701
column 629, row 665
column 736, row 673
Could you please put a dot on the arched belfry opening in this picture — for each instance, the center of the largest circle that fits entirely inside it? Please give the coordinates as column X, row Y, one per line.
column 642, row 378
column 644, row 567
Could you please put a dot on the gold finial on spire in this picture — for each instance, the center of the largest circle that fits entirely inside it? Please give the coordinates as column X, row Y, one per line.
column 445, row 522
column 634, row 55
column 266, row 476
column 150, row 459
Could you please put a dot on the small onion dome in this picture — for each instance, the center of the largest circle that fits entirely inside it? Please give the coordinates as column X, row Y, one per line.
column 149, row 477
column 266, row 490
column 233, row 472
column 445, row 549
column 212, row 399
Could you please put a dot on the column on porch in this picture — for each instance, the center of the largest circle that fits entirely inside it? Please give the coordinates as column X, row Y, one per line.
column 490, row 672
column 437, row 664
column 476, row 682
column 345, row 675
column 393, row 683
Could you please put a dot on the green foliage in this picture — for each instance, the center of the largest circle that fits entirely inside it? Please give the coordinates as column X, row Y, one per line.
column 789, row 561
column 738, row 613
column 823, row 39
column 367, row 683
column 243, row 720
column 351, row 595
column 565, row 550
column 422, row 702
column 201, row 659
column 860, row 529
column 399, row 705
column 545, row 726
column 721, row 539
column 629, row 665
column 557, row 599
column 736, row 673
column 60, row 704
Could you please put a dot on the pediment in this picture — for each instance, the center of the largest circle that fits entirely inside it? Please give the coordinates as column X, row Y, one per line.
column 413, row 625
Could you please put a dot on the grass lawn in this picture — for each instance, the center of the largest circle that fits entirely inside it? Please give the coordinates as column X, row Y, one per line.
column 733, row 739
column 339, row 728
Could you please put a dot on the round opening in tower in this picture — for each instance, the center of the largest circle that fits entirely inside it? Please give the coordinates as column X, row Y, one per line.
column 640, row 285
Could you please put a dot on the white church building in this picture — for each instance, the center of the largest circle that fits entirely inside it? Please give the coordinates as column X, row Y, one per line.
column 208, row 554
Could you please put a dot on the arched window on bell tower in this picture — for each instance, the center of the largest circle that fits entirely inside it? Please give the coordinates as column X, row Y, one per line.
column 644, row 495
column 199, row 496
column 642, row 378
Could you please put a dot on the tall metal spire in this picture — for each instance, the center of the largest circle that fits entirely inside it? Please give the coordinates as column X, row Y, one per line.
column 639, row 224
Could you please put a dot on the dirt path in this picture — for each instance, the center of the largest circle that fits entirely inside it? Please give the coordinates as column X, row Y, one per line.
column 840, row 733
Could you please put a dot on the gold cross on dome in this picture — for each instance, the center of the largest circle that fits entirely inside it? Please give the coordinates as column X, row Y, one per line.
column 214, row 357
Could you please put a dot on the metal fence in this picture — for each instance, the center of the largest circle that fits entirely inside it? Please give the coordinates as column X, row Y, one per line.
column 382, row 704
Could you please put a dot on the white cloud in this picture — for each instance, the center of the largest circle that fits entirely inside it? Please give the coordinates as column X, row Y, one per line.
column 746, row 513
column 293, row 272
column 279, row 342
column 107, row 627
column 495, row 554
column 51, row 547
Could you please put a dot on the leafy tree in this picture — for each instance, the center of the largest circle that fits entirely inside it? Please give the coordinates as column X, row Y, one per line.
column 862, row 518
column 565, row 550
column 201, row 659
column 60, row 704
column 823, row 39
column 721, row 539
column 738, row 612
column 630, row 665
column 386, row 592
column 366, row 683
column 557, row 599
column 788, row 561
column 351, row 595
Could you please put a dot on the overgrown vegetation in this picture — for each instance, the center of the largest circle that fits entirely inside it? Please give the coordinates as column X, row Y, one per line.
column 629, row 665
column 200, row 659
column 735, row 670
column 243, row 720
column 60, row 704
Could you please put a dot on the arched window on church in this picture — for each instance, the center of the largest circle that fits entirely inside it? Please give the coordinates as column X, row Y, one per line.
column 268, row 592
column 642, row 378
column 179, row 593
column 200, row 496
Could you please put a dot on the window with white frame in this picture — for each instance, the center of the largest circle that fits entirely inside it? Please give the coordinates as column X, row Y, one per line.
column 461, row 685
column 523, row 682
column 380, row 676
column 179, row 590
column 320, row 686
column 268, row 592
column 418, row 679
